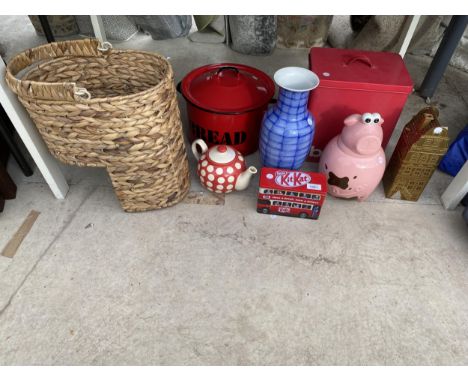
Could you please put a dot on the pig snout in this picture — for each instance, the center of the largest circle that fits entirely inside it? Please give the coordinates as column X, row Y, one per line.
column 364, row 140
column 368, row 144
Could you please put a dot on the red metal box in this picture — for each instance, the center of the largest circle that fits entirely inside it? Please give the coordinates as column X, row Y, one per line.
column 291, row 193
column 355, row 81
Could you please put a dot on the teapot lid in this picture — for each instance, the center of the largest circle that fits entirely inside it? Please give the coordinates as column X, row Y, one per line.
column 222, row 154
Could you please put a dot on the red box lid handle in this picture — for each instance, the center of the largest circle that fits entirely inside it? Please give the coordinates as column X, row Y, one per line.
column 364, row 59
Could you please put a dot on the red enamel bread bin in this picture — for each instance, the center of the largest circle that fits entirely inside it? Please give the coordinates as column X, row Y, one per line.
column 355, row 81
column 226, row 103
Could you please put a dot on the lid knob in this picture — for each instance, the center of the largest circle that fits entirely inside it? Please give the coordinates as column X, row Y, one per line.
column 222, row 148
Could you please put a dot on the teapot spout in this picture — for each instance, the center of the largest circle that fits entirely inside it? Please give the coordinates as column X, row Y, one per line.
column 244, row 179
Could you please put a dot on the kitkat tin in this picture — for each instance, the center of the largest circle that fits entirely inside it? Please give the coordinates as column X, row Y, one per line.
column 291, row 192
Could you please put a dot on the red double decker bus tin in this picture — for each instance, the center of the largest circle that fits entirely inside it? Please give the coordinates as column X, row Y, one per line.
column 291, row 193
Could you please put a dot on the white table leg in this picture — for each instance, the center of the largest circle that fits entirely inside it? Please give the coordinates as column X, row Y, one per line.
column 47, row 165
column 98, row 28
column 457, row 189
column 410, row 27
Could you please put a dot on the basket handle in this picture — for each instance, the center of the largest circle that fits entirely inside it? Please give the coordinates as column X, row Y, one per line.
column 52, row 90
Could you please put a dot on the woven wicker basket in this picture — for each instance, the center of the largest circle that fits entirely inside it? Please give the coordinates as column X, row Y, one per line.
column 100, row 107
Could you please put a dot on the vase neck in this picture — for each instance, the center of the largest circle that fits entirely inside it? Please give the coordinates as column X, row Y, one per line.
column 296, row 101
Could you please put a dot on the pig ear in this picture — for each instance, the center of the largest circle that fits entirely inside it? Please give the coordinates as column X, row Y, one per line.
column 352, row 119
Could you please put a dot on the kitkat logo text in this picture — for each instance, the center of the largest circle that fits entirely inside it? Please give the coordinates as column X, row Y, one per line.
column 291, row 178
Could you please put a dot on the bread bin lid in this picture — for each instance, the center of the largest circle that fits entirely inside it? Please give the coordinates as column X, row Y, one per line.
column 228, row 88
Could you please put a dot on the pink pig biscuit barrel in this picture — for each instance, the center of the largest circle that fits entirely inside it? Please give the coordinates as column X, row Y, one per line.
column 354, row 161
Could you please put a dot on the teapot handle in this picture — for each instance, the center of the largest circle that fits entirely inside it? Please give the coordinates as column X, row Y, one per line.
column 203, row 147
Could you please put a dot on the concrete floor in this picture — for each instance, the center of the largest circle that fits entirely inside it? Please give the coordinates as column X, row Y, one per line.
column 380, row 282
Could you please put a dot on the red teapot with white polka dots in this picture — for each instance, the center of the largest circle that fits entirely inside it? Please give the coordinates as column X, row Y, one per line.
column 221, row 168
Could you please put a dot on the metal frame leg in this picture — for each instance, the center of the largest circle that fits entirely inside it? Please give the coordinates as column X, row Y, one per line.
column 5, row 132
column 7, row 186
column 48, row 166
column 449, row 43
column 98, row 28
column 410, row 27
column 457, row 189
column 46, row 28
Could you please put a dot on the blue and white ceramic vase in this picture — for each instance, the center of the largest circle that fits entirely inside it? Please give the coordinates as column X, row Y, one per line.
column 288, row 127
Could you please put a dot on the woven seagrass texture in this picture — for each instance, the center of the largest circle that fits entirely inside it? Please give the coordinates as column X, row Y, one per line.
column 130, row 125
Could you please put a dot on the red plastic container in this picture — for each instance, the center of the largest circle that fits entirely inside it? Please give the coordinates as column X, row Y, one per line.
column 355, row 81
column 291, row 193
